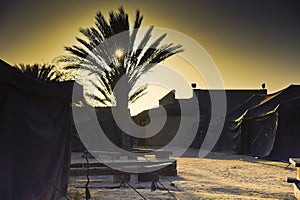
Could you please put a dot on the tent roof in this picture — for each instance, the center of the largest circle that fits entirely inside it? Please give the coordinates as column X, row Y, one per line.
column 275, row 101
column 12, row 77
column 260, row 105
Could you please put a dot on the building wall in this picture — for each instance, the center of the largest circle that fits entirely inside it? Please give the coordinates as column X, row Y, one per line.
column 234, row 98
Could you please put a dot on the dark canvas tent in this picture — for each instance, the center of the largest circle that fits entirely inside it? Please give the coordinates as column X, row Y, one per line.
column 237, row 101
column 233, row 134
column 34, row 136
column 268, row 125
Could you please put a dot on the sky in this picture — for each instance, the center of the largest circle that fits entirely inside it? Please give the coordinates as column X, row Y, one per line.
column 251, row 42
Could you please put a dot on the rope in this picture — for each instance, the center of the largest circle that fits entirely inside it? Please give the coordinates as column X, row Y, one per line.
column 287, row 166
column 125, row 182
column 87, row 192
column 167, row 190
column 122, row 178
column 171, row 183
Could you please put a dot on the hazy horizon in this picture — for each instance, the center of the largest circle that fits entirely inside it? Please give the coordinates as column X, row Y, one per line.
column 251, row 42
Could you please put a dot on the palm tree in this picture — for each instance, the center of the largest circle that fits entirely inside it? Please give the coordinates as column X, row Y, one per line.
column 42, row 72
column 109, row 53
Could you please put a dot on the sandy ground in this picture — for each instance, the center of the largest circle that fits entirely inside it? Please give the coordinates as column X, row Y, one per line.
column 219, row 176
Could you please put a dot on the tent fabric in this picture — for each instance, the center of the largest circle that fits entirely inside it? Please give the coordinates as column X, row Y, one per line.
column 261, row 135
column 35, row 118
column 274, row 101
column 269, row 125
column 287, row 139
column 233, row 136
column 283, row 143
column 238, row 113
column 234, row 132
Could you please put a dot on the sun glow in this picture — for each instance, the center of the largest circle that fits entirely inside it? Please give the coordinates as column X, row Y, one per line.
column 119, row 53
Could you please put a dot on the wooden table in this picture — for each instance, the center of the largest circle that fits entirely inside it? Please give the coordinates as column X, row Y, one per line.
column 296, row 163
column 160, row 164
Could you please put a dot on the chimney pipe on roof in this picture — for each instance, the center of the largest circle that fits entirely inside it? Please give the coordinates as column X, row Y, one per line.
column 194, row 85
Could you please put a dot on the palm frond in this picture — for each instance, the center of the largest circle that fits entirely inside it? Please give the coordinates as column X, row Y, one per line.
column 98, row 57
column 42, row 72
column 98, row 99
column 138, row 93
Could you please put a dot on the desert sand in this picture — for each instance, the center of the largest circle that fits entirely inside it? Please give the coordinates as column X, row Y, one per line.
column 218, row 176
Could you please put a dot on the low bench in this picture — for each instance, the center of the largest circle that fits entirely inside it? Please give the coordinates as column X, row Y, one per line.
column 136, row 152
column 161, row 165
column 296, row 181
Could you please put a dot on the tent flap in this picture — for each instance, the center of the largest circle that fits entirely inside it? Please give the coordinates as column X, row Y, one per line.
column 35, row 119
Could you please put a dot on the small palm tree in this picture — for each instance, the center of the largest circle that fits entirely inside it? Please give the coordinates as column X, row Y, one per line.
column 43, row 72
column 118, row 58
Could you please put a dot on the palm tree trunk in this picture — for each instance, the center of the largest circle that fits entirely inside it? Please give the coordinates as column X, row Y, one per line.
column 122, row 112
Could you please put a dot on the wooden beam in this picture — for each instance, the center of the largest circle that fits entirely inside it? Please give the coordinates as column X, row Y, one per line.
column 295, row 162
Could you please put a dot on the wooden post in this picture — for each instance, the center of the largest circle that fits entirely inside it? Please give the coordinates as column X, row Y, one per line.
column 296, row 163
